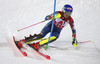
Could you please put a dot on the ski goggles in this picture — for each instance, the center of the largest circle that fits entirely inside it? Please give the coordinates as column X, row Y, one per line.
column 67, row 13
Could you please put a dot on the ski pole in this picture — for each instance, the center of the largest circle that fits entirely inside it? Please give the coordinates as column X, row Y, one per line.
column 85, row 41
column 56, row 16
column 74, row 45
column 52, row 25
column 31, row 25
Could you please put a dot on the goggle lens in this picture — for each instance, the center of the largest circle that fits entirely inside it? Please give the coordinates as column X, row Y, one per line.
column 67, row 13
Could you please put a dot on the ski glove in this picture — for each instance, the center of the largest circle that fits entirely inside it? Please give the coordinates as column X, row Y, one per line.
column 48, row 17
column 74, row 41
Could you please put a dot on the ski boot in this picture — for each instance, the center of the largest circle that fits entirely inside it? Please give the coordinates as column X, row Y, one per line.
column 35, row 46
column 34, row 37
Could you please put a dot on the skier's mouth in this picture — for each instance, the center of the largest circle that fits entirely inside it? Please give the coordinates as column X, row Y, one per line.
column 66, row 16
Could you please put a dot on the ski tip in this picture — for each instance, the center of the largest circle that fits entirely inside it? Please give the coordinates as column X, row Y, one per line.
column 13, row 37
column 24, row 53
column 48, row 57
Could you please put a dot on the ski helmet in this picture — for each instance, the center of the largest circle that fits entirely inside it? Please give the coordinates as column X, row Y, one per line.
column 67, row 9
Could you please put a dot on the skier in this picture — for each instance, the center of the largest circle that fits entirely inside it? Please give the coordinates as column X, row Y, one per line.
column 59, row 23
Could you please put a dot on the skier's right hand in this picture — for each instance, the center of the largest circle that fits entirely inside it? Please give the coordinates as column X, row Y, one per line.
column 48, row 17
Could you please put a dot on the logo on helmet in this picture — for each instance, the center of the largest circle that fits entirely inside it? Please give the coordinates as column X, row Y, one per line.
column 69, row 8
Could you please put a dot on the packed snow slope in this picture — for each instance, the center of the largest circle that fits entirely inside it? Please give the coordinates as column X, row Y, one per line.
column 17, row 14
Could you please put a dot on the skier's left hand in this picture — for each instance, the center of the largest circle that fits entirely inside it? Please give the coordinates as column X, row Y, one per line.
column 74, row 41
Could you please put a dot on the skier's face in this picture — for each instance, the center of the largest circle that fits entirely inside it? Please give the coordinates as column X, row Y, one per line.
column 67, row 14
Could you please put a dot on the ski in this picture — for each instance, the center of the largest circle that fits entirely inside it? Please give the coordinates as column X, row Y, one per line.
column 25, row 54
column 45, row 56
column 15, row 42
column 41, row 54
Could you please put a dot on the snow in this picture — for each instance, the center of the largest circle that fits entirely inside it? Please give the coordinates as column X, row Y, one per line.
column 17, row 14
